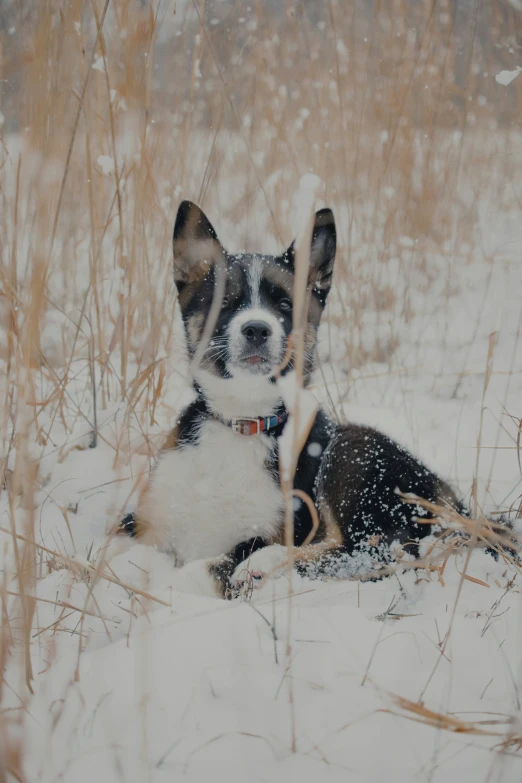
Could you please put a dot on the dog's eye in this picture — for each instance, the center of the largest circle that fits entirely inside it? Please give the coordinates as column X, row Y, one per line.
column 225, row 302
column 285, row 304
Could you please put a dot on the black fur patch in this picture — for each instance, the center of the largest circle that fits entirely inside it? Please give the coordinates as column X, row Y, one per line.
column 128, row 525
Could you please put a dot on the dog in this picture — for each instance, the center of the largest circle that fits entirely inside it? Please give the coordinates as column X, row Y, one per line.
column 214, row 497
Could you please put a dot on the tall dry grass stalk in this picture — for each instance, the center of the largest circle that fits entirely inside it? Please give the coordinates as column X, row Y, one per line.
column 113, row 111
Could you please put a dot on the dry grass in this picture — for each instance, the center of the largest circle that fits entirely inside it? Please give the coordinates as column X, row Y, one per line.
column 119, row 110
column 419, row 712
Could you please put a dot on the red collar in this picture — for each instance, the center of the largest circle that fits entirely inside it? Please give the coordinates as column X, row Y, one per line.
column 254, row 426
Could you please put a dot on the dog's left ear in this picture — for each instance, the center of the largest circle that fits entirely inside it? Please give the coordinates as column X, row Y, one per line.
column 322, row 251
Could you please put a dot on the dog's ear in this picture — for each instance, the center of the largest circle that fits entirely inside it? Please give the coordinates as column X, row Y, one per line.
column 195, row 244
column 322, row 252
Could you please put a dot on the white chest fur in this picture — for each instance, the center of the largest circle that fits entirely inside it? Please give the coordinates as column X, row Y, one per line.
column 203, row 500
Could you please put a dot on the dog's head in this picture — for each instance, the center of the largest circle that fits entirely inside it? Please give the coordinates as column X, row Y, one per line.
column 254, row 319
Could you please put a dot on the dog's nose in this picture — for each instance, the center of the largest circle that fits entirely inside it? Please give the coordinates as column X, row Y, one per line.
column 256, row 332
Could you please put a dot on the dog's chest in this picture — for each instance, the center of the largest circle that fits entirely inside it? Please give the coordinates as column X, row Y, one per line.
column 217, row 493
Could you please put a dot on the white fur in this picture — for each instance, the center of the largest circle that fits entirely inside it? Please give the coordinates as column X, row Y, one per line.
column 255, row 272
column 205, row 499
column 245, row 395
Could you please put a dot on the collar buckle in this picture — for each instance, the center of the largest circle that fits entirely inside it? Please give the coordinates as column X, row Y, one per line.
column 246, row 425
column 239, row 426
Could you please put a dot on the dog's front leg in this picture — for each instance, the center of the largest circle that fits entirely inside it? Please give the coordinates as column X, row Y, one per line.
column 223, row 569
column 252, row 572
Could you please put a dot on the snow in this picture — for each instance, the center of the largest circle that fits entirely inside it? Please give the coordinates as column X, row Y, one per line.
column 98, row 64
column 304, row 204
column 106, row 164
column 314, row 449
column 195, row 689
column 175, row 684
column 506, row 77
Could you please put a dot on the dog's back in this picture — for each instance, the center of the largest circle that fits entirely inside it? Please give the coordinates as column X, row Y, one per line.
column 359, row 491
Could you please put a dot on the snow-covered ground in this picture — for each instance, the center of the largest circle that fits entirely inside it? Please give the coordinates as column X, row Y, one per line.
column 337, row 683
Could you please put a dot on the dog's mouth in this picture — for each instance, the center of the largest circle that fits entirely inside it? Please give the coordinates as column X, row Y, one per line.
column 256, row 363
column 256, row 360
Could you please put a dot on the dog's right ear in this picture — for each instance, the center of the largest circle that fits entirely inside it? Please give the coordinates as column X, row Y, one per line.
column 195, row 244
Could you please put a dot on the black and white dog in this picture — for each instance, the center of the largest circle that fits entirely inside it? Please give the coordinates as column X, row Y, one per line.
column 214, row 495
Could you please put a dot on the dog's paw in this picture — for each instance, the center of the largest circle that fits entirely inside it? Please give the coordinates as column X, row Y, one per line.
column 252, row 573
